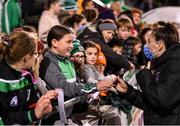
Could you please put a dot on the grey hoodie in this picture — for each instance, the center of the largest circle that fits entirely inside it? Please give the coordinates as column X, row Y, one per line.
column 58, row 72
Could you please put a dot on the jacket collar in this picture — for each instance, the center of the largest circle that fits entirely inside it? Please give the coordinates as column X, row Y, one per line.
column 62, row 58
column 172, row 53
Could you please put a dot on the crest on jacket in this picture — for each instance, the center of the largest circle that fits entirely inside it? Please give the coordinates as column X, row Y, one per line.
column 14, row 101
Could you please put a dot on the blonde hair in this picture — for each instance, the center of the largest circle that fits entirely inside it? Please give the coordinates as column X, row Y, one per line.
column 123, row 22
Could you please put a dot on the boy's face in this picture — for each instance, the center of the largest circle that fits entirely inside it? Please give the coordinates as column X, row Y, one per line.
column 137, row 49
column 64, row 46
column 118, row 49
column 124, row 32
column 91, row 55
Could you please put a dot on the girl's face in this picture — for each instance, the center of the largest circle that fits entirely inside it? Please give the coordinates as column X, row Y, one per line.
column 137, row 48
column 30, row 59
column 124, row 32
column 136, row 18
column 56, row 7
column 64, row 46
column 81, row 25
column 107, row 35
column 91, row 55
column 78, row 58
column 100, row 68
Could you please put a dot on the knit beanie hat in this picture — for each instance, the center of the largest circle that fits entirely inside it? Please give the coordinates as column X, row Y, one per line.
column 77, row 47
column 101, row 59
column 107, row 14
column 107, row 26
column 69, row 5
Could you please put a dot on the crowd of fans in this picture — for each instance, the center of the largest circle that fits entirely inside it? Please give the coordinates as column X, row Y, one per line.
column 86, row 52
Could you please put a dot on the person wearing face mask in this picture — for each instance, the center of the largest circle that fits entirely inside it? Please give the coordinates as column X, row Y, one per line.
column 76, row 22
column 160, row 94
column 143, row 36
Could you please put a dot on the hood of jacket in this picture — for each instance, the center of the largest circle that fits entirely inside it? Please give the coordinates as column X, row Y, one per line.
column 53, row 56
column 173, row 53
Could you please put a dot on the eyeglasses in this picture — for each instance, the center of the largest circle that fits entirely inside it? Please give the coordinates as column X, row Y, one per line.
column 79, row 56
column 36, row 54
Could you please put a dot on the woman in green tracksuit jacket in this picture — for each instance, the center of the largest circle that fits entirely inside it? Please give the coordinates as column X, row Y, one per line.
column 19, row 97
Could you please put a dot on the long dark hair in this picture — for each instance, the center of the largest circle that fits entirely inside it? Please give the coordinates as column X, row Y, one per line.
column 75, row 19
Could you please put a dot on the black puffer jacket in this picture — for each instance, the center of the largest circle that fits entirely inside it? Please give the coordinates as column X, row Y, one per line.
column 160, row 96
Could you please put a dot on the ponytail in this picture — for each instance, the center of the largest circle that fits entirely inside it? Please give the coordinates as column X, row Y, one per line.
column 4, row 46
column 15, row 46
column 168, row 33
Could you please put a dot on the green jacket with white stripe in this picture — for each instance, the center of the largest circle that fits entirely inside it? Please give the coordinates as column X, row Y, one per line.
column 11, row 16
column 58, row 72
column 18, row 96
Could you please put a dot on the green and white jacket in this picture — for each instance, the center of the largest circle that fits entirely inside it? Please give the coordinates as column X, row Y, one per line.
column 58, row 72
column 11, row 16
column 18, row 96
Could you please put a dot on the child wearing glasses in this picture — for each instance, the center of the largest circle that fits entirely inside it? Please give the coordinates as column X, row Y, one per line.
column 78, row 58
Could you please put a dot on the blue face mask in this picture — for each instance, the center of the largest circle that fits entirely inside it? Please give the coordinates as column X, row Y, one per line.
column 81, row 27
column 149, row 55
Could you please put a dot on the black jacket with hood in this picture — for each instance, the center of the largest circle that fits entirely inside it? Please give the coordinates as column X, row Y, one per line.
column 114, row 61
column 160, row 96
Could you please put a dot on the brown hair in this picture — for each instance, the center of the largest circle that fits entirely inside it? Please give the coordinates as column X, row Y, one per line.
column 48, row 3
column 28, row 28
column 75, row 19
column 136, row 10
column 134, row 40
column 25, row 28
column 142, row 33
column 168, row 33
column 88, row 44
column 123, row 22
column 116, row 6
column 15, row 46
column 90, row 14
